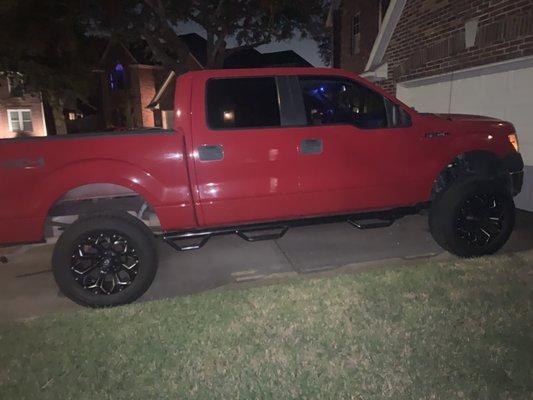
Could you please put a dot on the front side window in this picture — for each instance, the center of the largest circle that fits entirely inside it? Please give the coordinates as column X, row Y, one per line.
column 242, row 103
column 20, row 120
column 342, row 101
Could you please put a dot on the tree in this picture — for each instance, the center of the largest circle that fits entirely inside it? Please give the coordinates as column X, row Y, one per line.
column 45, row 42
column 230, row 25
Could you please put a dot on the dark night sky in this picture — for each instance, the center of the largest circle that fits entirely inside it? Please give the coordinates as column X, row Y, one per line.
column 306, row 48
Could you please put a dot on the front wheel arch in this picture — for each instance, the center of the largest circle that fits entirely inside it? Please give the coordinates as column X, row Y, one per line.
column 479, row 163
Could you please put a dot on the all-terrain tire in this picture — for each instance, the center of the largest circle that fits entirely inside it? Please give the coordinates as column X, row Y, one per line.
column 450, row 224
column 141, row 257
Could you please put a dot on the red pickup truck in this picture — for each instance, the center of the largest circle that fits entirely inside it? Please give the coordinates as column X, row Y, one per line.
column 253, row 153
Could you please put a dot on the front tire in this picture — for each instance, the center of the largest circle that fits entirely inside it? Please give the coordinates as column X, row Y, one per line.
column 105, row 260
column 472, row 217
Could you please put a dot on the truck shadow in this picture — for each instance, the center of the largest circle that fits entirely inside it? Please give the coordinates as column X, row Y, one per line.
column 228, row 259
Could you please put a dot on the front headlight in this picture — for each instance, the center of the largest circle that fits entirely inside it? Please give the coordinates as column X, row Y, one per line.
column 513, row 139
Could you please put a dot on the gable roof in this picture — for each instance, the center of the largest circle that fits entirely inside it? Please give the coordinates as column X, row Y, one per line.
column 248, row 58
column 197, row 46
column 287, row 58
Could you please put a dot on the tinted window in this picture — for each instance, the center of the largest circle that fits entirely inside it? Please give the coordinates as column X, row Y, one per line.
column 341, row 101
column 242, row 103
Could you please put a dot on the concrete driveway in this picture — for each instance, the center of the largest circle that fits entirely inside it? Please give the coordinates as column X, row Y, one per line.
column 27, row 287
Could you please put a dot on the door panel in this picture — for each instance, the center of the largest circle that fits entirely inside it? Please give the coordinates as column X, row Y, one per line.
column 253, row 177
column 358, row 168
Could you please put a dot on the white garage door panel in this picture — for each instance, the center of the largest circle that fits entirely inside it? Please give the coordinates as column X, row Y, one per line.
column 505, row 94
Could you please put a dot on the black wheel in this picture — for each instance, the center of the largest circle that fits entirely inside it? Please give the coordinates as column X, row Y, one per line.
column 472, row 218
column 105, row 260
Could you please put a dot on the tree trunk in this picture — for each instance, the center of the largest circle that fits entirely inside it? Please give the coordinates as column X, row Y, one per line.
column 59, row 119
column 57, row 105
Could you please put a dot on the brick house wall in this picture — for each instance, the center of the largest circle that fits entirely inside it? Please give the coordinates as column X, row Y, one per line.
column 27, row 102
column 368, row 11
column 430, row 37
column 144, row 81
column 127, row 107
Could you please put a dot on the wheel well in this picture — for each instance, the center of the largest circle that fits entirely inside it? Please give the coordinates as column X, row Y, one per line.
column 481, row 163
column 94, row 198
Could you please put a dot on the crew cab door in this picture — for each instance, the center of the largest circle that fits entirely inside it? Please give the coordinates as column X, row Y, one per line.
column 358, row 150
column 244, row 160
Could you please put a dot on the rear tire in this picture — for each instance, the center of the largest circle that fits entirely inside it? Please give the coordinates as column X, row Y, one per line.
column 105, row 260
column 472, row 217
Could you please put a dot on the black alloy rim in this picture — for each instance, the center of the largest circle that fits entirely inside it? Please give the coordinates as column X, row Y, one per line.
column 104, row 263
column 480, row 219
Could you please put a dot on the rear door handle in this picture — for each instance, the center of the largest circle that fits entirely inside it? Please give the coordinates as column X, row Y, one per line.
column 211, row 152
column 311, row 146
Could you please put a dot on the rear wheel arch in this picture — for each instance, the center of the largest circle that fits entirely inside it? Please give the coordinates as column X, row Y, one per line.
column 95, row 198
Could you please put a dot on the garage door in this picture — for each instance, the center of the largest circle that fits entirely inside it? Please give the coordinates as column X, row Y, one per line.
column 503, row 90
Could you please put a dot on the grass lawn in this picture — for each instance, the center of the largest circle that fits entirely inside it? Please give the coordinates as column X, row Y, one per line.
column 447, row 330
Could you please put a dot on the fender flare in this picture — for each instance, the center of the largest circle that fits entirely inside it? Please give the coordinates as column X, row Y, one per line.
column 71, row 176
column 480, row 162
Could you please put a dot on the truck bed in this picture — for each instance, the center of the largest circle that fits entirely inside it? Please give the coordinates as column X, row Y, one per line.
column 36, row 173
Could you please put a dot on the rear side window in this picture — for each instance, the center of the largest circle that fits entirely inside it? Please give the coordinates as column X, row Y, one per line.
column 242, row 103
column 342, row 101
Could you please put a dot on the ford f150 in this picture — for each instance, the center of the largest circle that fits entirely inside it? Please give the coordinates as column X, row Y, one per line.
column 253, row 153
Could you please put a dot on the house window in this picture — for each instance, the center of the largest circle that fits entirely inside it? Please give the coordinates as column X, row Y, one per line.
column 20, row 120
column 356, row 34
column 72, row 116
column 117, row 79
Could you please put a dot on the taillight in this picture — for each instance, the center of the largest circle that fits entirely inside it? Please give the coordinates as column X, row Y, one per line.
column 513, row 139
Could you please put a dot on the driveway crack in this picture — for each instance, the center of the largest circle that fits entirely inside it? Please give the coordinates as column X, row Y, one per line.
column 293, row 266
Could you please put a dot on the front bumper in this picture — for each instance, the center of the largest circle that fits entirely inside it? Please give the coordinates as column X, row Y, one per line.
column 514, row 165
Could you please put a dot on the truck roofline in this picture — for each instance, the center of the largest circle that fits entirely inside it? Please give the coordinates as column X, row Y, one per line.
column 274, row 71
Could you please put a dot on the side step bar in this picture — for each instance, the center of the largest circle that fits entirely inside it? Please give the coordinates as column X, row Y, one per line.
column 245, row 232
column 371, row 223
column 181, row 241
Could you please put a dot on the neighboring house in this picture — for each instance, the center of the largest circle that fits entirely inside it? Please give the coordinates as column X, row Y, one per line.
column 128, row 81
column 21, row 114
column 447, row 56
column 135, row 92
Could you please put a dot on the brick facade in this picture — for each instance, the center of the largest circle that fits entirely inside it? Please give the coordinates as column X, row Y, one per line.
column 143, row 86
column 430, row 37
column 368, row 11
column 27, row 102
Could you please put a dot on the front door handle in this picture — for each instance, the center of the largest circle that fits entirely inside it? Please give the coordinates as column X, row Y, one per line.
column 311, row 146
column 211, row 152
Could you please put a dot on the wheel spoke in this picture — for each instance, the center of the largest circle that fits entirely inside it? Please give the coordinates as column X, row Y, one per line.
column 85, row 271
